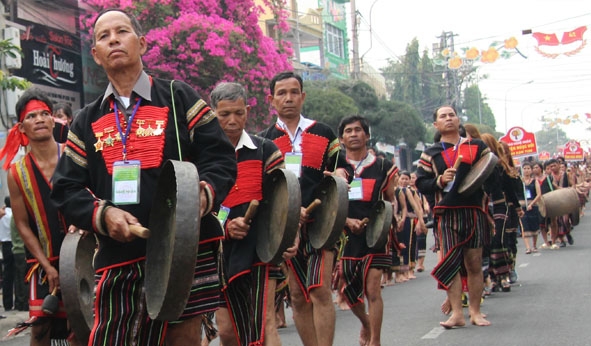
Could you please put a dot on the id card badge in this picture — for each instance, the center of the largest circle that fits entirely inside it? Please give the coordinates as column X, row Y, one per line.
column 449, row 185
column 126, row 182
column 293, row 162
column 527, row 194
column 356, row 190
column 223, row 215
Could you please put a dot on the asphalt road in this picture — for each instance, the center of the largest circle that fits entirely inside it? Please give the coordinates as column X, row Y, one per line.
column 549, row 305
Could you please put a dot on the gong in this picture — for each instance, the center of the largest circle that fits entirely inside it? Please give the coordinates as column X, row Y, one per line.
column 478, row 174
column 77, row 282
column 327, row 221
column 277, row 220
column 172, row 247
column 378, row 228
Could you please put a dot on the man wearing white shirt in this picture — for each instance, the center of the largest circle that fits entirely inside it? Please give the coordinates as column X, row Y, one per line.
column 310, row 149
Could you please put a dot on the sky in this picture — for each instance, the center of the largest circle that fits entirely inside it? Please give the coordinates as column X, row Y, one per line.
column 520, row 90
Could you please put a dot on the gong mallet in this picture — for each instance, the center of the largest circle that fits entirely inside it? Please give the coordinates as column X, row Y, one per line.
column 458, row 161
column 251, row 211
column 139, row 231
column 364, row 222
column 315, row 203
column 50, row 303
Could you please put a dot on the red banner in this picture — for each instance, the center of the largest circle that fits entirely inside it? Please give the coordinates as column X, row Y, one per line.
column 573, row 151
column 573, row 36
column 544, row 155
column 546, row 39
column 521, row 143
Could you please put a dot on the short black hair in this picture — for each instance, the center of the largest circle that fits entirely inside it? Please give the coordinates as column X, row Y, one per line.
column 7, row 201
column 351, row 119
column 32, row 94
column 407, row 173
column 135, row 24
column 65, row 107
column 285, row 75
column 549, row 162
column 438, row 108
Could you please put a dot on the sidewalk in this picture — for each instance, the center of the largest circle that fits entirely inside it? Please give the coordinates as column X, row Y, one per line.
column 12, row 317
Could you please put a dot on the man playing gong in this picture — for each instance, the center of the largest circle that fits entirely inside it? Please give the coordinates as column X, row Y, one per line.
column 371, row 179
column 309, row 149
column 247, row 314
column 462, row 224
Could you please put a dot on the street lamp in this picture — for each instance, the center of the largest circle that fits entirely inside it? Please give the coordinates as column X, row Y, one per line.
column 507, row 93
column 526, row 107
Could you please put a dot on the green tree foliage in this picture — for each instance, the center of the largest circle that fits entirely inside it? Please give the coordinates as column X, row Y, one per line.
column 8, row 49
column 395, row 120
column 549, row 139
column 328, row 105
column 415, row 81
column 472, row 96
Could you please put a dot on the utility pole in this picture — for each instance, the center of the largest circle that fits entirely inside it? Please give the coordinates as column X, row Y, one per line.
column 451, row 76
column 355, row 41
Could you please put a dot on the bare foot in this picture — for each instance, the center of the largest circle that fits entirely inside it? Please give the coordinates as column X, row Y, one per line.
column 446, row 307
column 453, row 322
column 479, row 320
column 363, row 336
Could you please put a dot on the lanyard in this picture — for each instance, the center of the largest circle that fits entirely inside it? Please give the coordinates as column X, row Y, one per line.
column 359, row 164
column 448, row 162
column 128, row 128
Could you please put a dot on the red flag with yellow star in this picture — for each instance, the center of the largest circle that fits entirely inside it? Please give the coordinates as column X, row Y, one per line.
column 546, row 39
column 573, row 36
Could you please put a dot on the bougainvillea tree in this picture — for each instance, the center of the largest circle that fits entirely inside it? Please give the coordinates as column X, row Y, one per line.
column 204, row 42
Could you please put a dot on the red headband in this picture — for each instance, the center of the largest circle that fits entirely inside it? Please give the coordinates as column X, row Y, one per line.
column 31, row 106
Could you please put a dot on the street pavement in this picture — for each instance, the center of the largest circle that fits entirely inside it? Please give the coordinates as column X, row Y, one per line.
column 549, row 305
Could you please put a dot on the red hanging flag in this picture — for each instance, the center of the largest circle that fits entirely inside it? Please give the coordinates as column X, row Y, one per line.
column 573, row 36
column 546, row 39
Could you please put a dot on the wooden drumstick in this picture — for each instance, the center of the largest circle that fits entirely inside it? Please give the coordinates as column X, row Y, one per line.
column 139, row 231
column 313, row 206
column 458, row 161
column 364, row 222
column 252, row 209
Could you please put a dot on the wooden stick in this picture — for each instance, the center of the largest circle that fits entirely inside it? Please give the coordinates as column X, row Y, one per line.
column 364, row 221
column 313, row 206
column 139, row 231
column 54, row 291
column 252, row 209
column 458, row 161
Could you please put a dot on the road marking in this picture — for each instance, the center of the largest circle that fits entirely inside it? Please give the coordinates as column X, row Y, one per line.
column 434, row 333
column 523, row 265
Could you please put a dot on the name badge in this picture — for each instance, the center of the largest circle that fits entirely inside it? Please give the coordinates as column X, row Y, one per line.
column 293, row 162
column 126, row 182
column 356, row 190
column 527, row 194
column 223, row 215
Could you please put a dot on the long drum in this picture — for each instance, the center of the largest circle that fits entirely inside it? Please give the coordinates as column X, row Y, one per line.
column 378, row 228
column 328, row 219
column 77, row 282
column 478, row 174
column 559, row 202
column 174, row 239
column 277, row 219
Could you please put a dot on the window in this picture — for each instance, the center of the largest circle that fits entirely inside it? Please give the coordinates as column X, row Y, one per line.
column 335, row 41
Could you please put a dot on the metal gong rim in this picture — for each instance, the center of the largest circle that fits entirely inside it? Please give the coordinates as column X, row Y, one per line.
column 328, row 219
column 174, row 239
column 277, row 220
column 378, row 228
column 479, row 172
column 76, row 273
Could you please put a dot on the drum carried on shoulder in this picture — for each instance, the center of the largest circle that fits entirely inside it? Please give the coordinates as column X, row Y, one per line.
column 559, row 202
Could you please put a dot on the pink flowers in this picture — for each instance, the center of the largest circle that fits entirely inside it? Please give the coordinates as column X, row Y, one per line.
column 204, row 42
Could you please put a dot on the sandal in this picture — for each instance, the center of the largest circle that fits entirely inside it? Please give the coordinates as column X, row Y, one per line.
column 527, row 251
column 535, row 249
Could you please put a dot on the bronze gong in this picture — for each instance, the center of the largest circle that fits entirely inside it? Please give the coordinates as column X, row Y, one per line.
column 174, row 239
column 327, row 221
column 277, row 220
column 479, row 172
column 77, row 282
column 378, row 228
